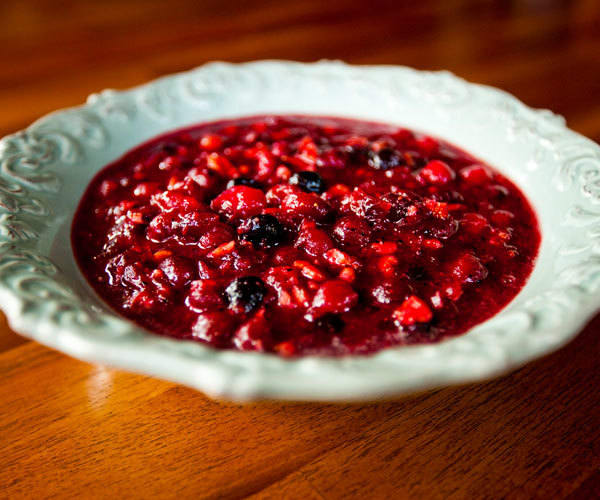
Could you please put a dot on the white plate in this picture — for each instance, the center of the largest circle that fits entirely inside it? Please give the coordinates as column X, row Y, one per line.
column 44, row 170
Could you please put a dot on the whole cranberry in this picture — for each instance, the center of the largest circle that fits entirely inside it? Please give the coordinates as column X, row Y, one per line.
column 178, row 270
column 239, row 202
column 437, row 173
column 352, row 232
column 204, row 295
column 306, row 205
column 312, row 240
column 387, row 291
column 334, row 296
column 174, row 200
column 468, row 269
column 216, row 234
column 476, row 175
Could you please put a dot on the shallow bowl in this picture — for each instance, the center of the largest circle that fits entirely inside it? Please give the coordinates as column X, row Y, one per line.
column 45, row 169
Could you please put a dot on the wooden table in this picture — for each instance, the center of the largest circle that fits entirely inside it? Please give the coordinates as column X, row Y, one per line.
column 69, row 428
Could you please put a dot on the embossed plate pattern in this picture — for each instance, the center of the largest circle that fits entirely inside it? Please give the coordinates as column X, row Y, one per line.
column 44, row 170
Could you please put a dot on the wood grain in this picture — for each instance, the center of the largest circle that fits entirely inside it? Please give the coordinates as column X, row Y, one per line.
column 68, row 428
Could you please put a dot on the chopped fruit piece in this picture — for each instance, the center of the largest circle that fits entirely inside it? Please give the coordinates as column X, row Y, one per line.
column 161, row 254
column 310, row 271
column 212, row 327
column 387, row 265
column 254, row 334
column 412, row 310
column 347, row 274
column 223, row 249
column 337, row 258
column 286, row 349
column 301, row 235
column 385, row 248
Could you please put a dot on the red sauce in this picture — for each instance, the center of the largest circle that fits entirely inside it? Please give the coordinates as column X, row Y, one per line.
column 304, row 235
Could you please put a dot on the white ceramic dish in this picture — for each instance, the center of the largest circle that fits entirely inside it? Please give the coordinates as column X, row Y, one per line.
column 45, row 169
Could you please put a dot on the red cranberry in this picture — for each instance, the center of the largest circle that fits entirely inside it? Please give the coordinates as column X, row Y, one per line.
column 468, row 269
column 388, row 291
column 213, row 327
column 171, row 200
column 502, row 218
column 239, row 202
column 476, row 175
column 178, row 270
column 412, row 310
column 437, row 173
column 474, row 223
column 204, row 294
column 364, row 205
column 253, row 335
column 278, row 192
column 335, row 296
column 306, row 205
column 313, row 241
column 352, row 232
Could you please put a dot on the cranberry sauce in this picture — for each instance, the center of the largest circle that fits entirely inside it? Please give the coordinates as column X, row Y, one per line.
column 304, row 235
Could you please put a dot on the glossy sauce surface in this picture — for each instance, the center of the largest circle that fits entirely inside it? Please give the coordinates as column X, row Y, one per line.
column 304, row 235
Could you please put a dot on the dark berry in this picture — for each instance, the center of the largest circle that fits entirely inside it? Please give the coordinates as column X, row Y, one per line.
column 384, row 159
column 245, row 294
column 311, row 182
column 263, row 231
column 244, row 181
column 331, row 323
column 355, row 154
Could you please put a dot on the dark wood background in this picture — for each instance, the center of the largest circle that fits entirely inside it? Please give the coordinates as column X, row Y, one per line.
column 68, row 428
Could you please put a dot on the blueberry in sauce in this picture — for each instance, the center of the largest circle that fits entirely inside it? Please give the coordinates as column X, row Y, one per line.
column 311, row 182
column 244, row 181
column 263, row 231
column 245, row 294
column 384, row 159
